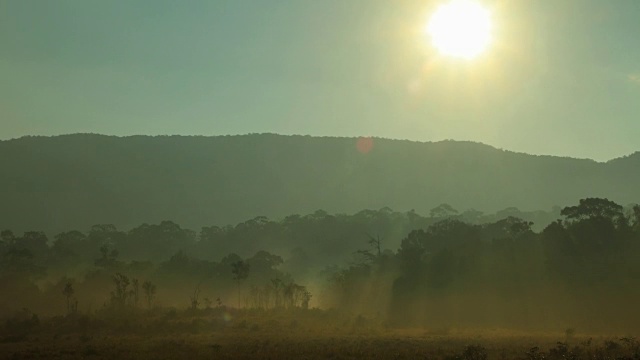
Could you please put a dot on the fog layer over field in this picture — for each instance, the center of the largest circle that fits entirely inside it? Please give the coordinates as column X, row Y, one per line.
column 444, row 271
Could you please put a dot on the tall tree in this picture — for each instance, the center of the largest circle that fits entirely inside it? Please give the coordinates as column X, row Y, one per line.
column 240, row 271
column 593, row 207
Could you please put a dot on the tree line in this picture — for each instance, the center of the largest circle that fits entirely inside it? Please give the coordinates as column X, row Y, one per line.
column 444, row 268
column 581, row 268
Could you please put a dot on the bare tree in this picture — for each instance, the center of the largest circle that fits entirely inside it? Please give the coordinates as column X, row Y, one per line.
column 194, row 298
column 306, row 297
column 120, row 294
column 375, row 244
column 149, row 292
column 135, row 291
column 296, row 296
column 68, row 292
column 277, row 286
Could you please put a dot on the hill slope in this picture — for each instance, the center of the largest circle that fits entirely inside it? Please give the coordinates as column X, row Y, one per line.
column 74, row 181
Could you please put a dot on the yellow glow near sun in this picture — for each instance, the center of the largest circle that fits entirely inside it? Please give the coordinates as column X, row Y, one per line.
column 460, row 28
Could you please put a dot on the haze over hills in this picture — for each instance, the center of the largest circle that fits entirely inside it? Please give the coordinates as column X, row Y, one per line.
column 74, row 181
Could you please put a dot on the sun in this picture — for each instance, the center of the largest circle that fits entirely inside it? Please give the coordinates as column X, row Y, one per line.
column 460, row 28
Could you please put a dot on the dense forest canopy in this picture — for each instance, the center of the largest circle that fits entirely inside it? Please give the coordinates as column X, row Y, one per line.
column 53, row 184
column 581, row 269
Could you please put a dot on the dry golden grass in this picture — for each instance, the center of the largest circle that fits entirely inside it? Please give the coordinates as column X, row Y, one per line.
column 295, row 335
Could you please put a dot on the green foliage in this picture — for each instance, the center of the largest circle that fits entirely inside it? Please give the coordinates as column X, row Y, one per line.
column 443, row 211
column 7, row 237
column 108, row 258
column 19, row 263
column 593, row 207
column 240, row 270
column 442, row 272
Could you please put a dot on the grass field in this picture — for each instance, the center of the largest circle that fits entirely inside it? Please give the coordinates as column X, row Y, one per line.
column 286, row 335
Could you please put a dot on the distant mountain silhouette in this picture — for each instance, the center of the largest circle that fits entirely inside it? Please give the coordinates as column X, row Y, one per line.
column 74, row 181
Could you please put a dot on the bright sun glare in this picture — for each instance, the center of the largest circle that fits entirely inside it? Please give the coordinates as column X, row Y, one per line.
column 460, row 28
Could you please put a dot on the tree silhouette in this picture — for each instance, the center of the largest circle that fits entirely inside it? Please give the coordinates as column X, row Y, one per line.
column 7, row 237
column 149, row 290
column 68, row 292
column 108, row 259
column 636, row 216
column 375, row 244
column 120, row 294
column 593, row 207
column 443, row 211
column 240, row 271
column 194, row 299
column 135, row 291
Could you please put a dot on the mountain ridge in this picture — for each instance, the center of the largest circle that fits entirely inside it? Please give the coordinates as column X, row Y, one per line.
column 77, row 180
column 633, row 154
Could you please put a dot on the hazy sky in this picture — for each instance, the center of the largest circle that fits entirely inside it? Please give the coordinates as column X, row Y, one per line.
column 562, row 76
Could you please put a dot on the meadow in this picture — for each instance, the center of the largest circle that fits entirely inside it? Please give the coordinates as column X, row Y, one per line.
column 224, row 333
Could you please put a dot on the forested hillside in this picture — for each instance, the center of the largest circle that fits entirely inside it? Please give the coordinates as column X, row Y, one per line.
column 75, row 181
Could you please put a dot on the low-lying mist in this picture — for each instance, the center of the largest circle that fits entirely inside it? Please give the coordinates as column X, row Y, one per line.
column 444, row 272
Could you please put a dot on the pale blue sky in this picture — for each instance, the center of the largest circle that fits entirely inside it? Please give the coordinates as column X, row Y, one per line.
column 562, row 78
